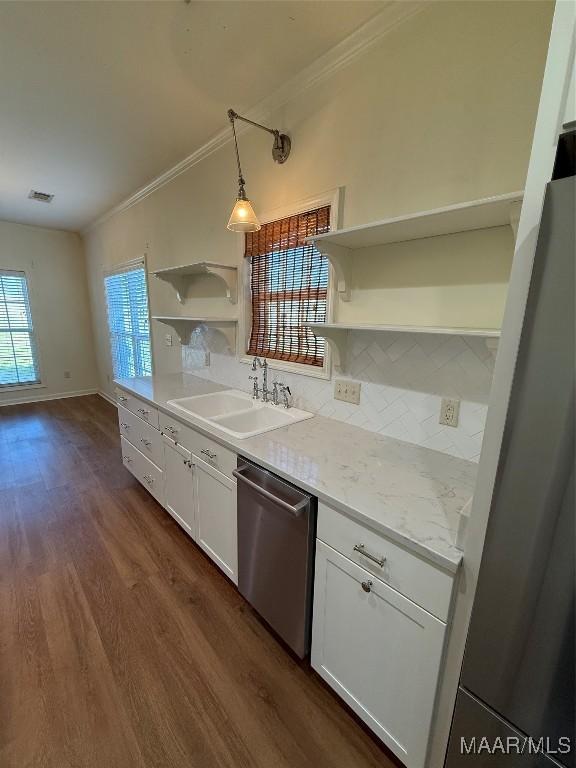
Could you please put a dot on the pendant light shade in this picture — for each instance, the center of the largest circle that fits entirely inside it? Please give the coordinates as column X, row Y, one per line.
column 243, row 218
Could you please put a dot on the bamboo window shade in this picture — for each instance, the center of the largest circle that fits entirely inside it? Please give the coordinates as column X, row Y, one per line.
column 289, row 287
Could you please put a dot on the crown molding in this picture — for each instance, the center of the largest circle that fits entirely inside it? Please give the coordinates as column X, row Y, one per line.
column 339, row 56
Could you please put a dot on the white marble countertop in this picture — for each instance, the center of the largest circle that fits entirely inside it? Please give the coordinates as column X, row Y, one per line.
column 410, row 494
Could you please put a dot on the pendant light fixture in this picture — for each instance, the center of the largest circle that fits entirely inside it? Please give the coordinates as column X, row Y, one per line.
column 243, row 218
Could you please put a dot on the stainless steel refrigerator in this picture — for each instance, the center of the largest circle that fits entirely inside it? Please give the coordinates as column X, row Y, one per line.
column 515, row 706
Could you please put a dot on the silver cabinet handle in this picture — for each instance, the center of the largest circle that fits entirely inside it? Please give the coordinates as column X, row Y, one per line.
column 362, row 550
column 143, row 411
column 145, row 442
column 124, row 425
column 207, row 453
column 127, row 459
column 148, row 479
column 295, row 510
column 172, row 430
column 122, row 399
column 367, row 586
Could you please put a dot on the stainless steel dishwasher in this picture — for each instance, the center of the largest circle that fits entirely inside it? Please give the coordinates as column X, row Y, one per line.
column 276, row 535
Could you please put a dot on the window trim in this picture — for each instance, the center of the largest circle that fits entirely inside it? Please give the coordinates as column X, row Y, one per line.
column 117, row 269
column 333, row 199
column 41, row 383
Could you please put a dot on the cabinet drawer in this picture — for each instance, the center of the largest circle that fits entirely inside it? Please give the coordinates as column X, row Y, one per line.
column 152, row 478
column 143, row 410
column 176, row 431
column 214, row 454
column 129, row 456
column 129, row 424
column 423, row 582
column 150, row 444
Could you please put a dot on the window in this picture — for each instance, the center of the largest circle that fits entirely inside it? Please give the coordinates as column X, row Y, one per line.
column 128, row 322
column 289, row 287
column 18, row 353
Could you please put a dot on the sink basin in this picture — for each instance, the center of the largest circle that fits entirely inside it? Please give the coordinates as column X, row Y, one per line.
column 262, row 418
column 214, row 404
column 237, row 414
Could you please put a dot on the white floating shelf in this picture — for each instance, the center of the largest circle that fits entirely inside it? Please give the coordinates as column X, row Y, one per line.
column 340, row 246
column 181, row 277
column 336, row 334
column 185, row 325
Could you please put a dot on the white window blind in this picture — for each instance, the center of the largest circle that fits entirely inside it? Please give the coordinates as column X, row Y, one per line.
column 128, row 322
column 18, row 353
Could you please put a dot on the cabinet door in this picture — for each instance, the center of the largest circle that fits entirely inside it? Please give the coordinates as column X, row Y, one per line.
column 216, row 525
column 378, row 650
column 179, row 484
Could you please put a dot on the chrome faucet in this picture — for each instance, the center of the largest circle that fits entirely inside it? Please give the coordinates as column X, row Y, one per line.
column 264, row 366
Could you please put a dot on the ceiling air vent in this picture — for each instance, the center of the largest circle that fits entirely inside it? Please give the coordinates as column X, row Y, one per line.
column 43, row 197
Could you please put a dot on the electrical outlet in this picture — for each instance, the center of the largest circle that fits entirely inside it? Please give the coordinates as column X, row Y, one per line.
column 67, row 375
column 207, row 358
column 168, row 339
column 348, row 391
column 449, row 412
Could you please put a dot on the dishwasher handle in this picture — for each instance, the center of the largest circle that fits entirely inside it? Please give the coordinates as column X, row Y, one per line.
column 294, row 510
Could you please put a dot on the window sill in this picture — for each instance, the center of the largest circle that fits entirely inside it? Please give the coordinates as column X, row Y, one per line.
column 19, row 387
column 296, row 368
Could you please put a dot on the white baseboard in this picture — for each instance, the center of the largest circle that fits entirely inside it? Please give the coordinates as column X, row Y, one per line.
column 38, row 398
column 107, row 397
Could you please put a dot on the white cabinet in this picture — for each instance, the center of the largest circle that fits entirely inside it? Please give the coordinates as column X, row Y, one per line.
column 216, row 525
column 144, row 470
column 179, row 484
column 378, row 650
column 188, row 473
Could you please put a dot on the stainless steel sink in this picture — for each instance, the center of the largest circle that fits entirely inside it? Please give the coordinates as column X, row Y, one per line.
column 237, row 414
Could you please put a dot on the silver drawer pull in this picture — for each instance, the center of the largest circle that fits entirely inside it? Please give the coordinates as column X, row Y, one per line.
column 148, row 479
column 145, row 442
column 207, row 453
column 367, row 586
column 122, row 399
column 143, row 411
column 362, row 550
column 124, row 425
column 127, row 459
column 172, row 430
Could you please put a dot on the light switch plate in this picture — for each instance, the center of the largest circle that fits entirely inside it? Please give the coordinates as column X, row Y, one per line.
column 449, row 412
column 168, row 339
column 347, row 391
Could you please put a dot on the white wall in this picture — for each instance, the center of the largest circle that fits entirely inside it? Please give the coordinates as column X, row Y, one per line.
column 54, row 263
column 440, row 110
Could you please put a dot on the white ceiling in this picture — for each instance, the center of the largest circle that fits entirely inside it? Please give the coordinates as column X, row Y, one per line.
column 98, row 98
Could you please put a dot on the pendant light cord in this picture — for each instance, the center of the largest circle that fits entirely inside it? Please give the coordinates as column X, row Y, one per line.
column 241, row 181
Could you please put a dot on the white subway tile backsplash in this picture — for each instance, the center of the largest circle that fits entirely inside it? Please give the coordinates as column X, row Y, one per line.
column 404, row 376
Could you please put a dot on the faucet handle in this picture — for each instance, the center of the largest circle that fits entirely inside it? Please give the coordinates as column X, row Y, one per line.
column 286, row 394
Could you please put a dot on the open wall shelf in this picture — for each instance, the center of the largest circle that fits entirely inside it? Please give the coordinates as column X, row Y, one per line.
column 181, row 277
column 336, row 335
column 341, row 247
column 185, row 325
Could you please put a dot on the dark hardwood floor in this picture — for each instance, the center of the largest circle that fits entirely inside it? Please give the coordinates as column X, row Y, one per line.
column 121, row 645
